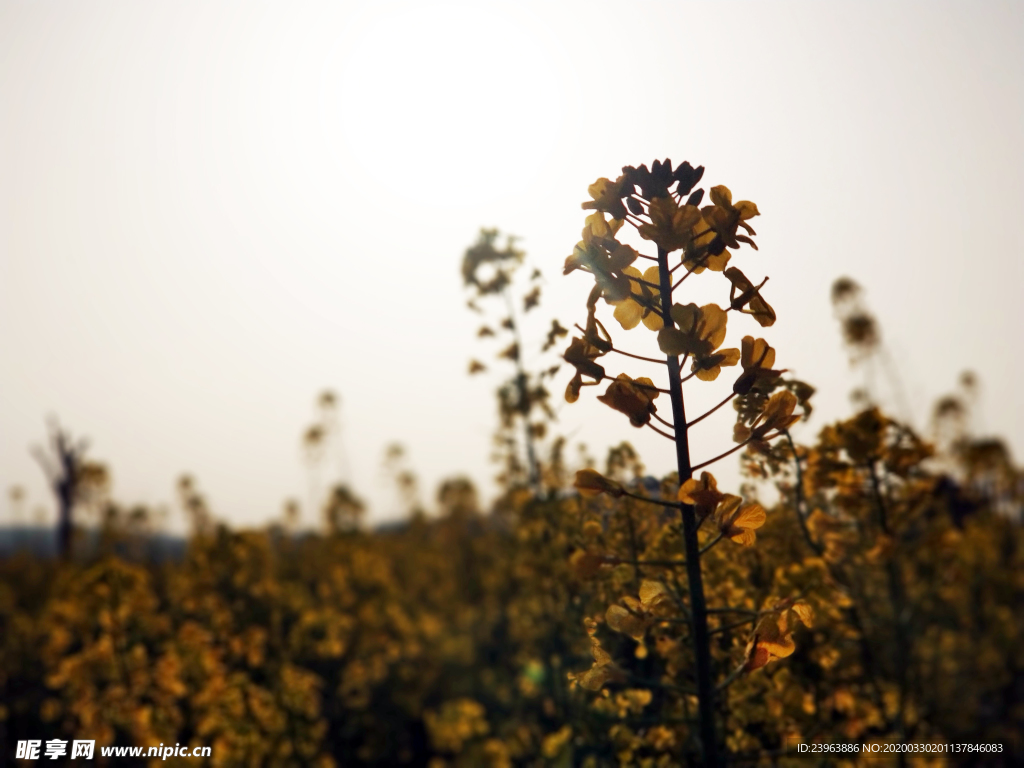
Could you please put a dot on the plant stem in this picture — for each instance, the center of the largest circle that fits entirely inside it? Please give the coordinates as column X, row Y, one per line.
column 698, row 604
column 898, row 600
column 799, row 499
column 524, row 398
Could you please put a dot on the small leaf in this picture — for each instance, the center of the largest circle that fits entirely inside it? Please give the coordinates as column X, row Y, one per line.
column 532, row 299
column 511, row 352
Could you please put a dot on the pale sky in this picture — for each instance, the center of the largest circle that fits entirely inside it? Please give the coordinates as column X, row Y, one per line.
column 211, row 211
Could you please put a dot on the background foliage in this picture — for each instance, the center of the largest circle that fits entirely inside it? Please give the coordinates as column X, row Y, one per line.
column 880, row 604
column 452, row 639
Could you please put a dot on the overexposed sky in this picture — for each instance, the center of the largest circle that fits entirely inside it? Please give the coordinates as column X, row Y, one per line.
column 211, row 211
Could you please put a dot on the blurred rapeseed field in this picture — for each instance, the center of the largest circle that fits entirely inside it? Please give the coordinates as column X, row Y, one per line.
column 863, row 588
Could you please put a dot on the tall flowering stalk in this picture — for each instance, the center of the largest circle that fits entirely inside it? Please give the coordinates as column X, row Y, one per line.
column 489, row 271
column 664, row 207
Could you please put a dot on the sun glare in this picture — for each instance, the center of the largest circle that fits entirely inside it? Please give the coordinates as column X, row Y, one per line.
column 459, row 103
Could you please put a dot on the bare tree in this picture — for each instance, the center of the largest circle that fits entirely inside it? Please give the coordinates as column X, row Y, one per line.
column 72, row 478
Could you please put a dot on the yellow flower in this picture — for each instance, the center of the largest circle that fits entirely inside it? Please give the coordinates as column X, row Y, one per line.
column 605, row 259
column 757, row 359
column 699, row 332
column 602, row 669
column 585, row 565
column 708, row 368
column 703, row 494
column 703, row 252
column 581, row 354
column 621, row 620
column 606, row 196
column 777, row 414
column 596, row 228
column 637, row 616
column 737, row 521
column 632, row 397
column 589, row 482
column 644, row 301
column 724, row 217
column 749, row 294
column 672, row 225
column 773, row 637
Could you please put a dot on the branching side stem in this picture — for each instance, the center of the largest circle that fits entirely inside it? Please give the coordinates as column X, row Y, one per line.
column 701, row 418
column 663, row 434
column 721, row 456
